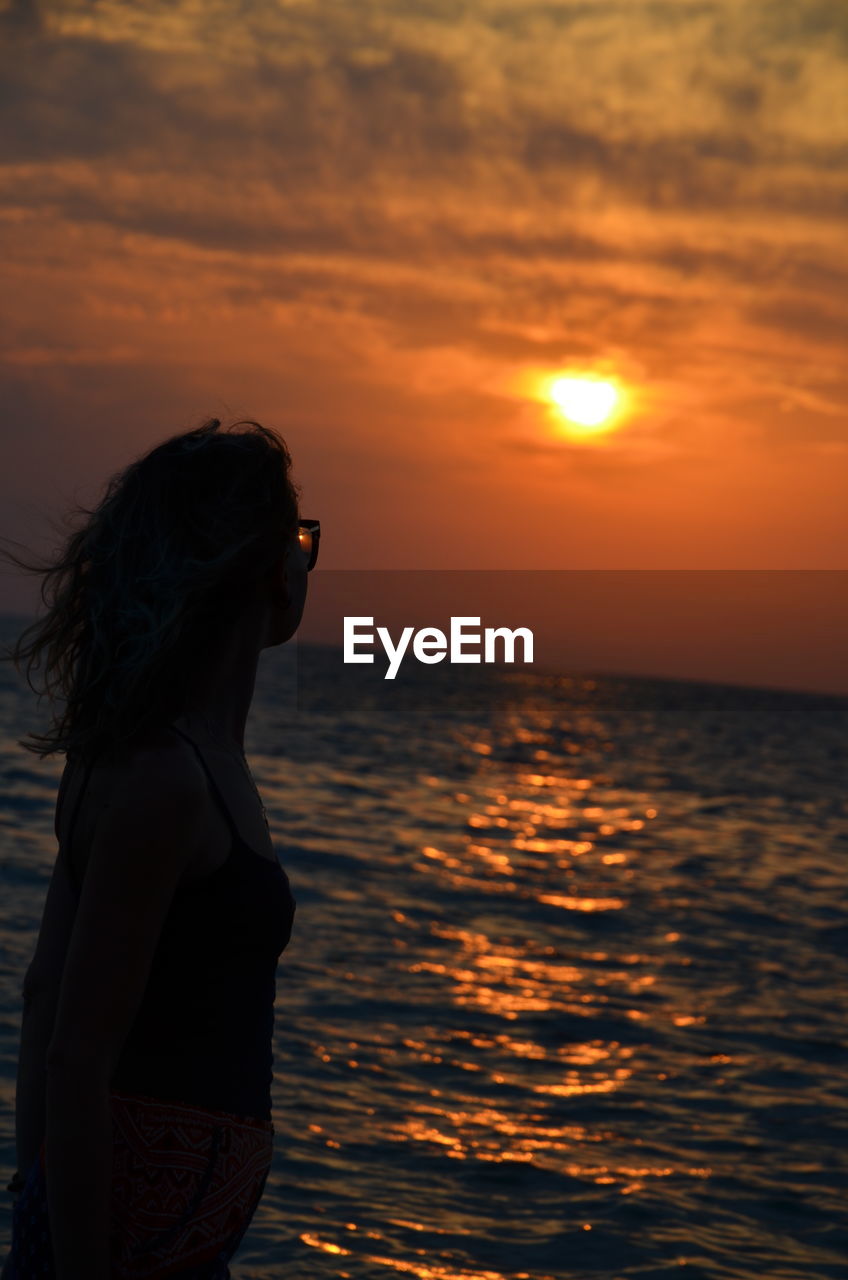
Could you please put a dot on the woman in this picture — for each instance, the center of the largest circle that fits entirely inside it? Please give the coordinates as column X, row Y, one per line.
column 143, row 1117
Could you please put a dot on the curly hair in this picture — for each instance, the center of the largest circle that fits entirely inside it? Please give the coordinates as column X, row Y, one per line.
column 179, row 539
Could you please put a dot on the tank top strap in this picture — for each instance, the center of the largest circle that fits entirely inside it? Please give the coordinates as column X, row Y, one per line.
column 216, row 791
column 68, row 842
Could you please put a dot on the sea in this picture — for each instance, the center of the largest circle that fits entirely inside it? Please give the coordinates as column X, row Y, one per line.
column 567, row 992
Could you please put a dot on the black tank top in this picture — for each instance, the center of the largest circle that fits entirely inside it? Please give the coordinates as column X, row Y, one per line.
column 204, row 1029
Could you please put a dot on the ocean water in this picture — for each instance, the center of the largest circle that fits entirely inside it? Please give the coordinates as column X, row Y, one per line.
column 567, row 990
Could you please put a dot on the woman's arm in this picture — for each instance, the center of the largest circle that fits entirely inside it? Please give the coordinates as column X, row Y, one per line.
column 39, row 1015
column 40, row 999
column 142, row 842
column 79, row 1167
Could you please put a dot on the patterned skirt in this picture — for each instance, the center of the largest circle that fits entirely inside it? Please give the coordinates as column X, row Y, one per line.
column 186, row 1182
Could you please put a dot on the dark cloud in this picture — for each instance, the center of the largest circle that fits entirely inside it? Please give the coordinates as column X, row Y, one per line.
column 805, row 23
column 322, row 104
column 798, row 316
column 79, row 98
column 20, row 19
column 519, row 181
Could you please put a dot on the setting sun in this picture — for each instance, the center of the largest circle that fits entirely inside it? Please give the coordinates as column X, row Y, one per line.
column 589, row 402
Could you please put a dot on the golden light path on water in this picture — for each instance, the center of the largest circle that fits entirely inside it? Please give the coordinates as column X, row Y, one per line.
column 516, row 843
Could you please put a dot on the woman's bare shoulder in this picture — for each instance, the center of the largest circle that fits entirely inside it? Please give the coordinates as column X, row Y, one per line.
column 128, row 782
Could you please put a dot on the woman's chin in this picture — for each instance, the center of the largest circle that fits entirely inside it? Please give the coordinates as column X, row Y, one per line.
column 282, row 628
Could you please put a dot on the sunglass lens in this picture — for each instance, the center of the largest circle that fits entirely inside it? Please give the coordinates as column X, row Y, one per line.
column 308, row 542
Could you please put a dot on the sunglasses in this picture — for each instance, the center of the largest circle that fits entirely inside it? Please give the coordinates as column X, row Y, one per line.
column 308, row 537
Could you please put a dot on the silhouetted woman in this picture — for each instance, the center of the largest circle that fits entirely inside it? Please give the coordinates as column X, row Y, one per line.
column 144, row 1134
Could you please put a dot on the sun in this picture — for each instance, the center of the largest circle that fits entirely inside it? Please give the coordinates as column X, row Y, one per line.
column 583, row 404
column 586, row 402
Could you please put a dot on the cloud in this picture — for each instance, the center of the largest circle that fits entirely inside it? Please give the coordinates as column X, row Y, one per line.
column 21, row 19
column 486, row 185
column 825, row 326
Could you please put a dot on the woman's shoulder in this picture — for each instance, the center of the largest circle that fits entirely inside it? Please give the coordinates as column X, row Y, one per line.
column 154, row 762
column 157, row 749
column 157, row 762
column 138, row 792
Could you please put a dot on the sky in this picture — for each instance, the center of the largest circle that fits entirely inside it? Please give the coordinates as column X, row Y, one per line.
column 382, row 226
column 772, row 628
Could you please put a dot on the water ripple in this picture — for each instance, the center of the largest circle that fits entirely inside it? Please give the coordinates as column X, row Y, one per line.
column 566, row 994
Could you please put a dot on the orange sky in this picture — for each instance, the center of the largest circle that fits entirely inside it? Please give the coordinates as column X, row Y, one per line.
column 371, row 224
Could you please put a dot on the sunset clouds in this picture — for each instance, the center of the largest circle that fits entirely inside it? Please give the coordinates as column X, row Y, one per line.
column 370, row 224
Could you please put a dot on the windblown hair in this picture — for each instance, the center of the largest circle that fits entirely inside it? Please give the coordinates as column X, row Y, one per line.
column 177, row 543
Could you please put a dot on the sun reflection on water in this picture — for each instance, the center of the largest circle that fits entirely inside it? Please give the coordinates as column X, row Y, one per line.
column 521, row 1004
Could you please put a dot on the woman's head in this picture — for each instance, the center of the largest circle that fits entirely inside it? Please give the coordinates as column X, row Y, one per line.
column 184, row 538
